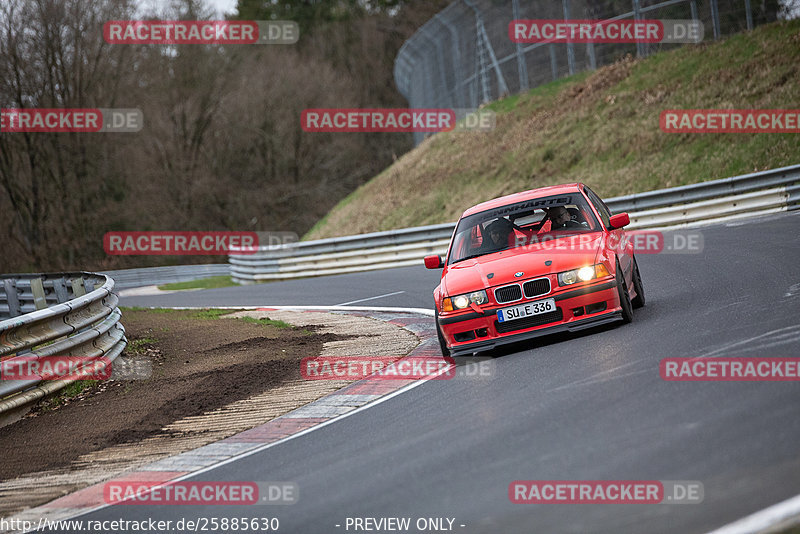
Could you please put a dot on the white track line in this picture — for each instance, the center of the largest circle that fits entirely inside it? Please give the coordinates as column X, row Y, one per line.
column 370, row 298
column 763, row 519
column 266, row 446
column 279, row 442
column 751, row 524
column 420, row 311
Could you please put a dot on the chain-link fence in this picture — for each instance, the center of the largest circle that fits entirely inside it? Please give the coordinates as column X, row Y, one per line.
column 464, row 57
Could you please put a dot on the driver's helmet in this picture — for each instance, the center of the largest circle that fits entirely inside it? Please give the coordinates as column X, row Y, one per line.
column 502, row 226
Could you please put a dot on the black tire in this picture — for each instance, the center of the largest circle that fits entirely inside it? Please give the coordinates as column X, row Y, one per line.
column 638, row 300
column 624, row 297
column 442, row 342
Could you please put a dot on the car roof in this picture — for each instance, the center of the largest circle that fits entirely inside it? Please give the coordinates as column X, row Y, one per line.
column 524, row 195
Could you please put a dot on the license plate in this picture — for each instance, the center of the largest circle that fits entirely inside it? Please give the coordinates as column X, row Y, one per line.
column 526, row 310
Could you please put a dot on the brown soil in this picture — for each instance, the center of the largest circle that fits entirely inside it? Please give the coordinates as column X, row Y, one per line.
column 199, row 364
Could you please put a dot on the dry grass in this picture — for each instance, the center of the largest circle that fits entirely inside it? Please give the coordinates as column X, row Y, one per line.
column 601, row 128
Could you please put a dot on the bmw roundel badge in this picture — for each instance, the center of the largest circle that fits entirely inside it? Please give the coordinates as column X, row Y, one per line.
column 548, row 262
column 517, row 275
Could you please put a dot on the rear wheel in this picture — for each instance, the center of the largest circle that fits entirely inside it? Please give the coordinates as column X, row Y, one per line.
column 442, row 342
column 638, row 300
column 624, row 297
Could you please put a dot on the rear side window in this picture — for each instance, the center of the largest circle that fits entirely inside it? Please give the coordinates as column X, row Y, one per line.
column 602, row 209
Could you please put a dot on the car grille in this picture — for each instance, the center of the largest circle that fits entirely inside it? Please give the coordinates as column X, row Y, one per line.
column 534, row 288
column 507, row 294
column 529, row 322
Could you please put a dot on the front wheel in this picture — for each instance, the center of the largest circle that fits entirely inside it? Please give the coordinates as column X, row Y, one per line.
column 638, row 300
column 624, row 297
column 442, row 342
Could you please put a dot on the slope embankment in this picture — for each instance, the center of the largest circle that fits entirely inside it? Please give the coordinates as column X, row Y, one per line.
column 599, row 127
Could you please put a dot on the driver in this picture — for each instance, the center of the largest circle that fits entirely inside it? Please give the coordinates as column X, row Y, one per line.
column 497, row 232
column 561, row 219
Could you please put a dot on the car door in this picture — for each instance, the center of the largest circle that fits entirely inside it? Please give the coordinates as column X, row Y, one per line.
column 618, row 235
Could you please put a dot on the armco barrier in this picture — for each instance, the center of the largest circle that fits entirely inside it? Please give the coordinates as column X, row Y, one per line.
column 64, row 314
column 148, row 276
column 749, row 195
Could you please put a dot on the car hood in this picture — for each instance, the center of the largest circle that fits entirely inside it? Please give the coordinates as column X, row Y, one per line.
column 565, row 253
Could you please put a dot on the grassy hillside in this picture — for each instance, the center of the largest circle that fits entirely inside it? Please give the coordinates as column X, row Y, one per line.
column 601, row 128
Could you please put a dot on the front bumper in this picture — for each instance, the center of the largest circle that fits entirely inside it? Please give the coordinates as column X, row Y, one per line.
column 577, row 309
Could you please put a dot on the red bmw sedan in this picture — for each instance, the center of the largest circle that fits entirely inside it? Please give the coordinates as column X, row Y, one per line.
column 548, row 260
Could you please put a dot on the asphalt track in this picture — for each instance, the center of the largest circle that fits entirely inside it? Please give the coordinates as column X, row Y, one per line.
column 572, row 407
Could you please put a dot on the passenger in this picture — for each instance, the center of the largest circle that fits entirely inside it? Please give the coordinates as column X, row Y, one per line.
column 561, row 219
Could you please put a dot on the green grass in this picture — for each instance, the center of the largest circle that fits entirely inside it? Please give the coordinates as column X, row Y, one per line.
column 211, row 282
column 600, row 128
column 137, row 346
column 151, row 310
column 66, row 394
column 266, row 322
column 209, row 314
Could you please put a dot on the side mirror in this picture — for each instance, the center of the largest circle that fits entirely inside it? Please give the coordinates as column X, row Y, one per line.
column 434, row 262
column 619, row 220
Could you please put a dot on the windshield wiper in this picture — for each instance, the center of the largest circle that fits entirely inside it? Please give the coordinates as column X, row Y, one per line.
column 465, row 258
column 471, row 256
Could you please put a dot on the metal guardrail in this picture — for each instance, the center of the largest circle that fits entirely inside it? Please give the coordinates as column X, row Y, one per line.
column 64, row 314
column 148, row 276
column 703, row 203
column 706, row 190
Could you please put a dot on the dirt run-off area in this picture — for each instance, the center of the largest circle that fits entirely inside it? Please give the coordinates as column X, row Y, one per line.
column 200, row 362
column 212, row 376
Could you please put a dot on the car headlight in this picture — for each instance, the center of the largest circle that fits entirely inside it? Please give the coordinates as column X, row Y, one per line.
column 459, row 302
column 584, row 274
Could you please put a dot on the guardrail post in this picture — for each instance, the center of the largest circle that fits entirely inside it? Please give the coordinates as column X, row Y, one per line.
column 77, row 287
column 60, row 288
column 12, row 298
column 39, row 299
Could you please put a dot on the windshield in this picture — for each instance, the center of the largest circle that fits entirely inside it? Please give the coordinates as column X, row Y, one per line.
column 521, row 224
